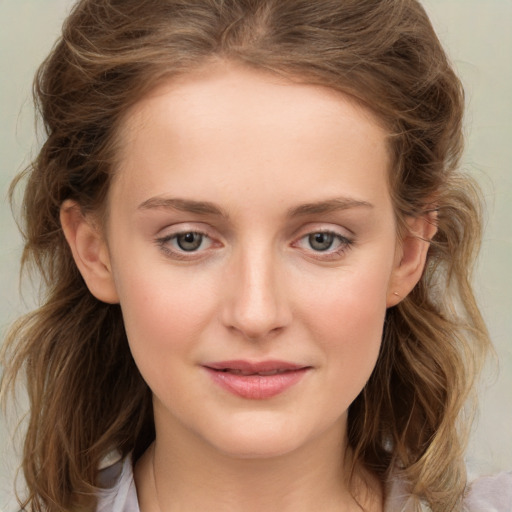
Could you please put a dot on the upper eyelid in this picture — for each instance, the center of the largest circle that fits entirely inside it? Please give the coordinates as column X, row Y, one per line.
column 319, row 227
column 174, row 234
column 179, row 228
column 337, row 235
column 172, row 230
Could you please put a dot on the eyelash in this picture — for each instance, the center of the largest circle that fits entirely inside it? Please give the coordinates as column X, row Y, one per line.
column 180, row 254
column 325, row 255
column 328, row 254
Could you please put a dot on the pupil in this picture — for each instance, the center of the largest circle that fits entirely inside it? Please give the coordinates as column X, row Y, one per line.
column 189, row 241
column 321, row 241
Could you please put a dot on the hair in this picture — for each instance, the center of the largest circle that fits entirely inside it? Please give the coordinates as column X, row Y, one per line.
column 86, row 394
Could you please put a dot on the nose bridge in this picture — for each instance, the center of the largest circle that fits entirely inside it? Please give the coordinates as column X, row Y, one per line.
column 257, row 305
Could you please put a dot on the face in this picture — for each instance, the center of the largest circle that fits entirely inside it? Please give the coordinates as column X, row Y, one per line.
column 252, row 243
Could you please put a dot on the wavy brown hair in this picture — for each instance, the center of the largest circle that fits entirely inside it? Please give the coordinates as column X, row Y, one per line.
column 86, row 395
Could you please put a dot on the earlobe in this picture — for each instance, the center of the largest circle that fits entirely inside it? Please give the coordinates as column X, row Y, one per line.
column 89, row 250
column 411, row 257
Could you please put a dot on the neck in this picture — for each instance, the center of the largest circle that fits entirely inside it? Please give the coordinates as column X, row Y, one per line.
column 192, row 475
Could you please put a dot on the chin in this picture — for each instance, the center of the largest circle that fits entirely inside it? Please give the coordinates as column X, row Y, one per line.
column 260, row 448
column 259, row 439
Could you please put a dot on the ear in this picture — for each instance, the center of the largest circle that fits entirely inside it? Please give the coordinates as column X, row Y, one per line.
column 89, row 250
column 410, row 257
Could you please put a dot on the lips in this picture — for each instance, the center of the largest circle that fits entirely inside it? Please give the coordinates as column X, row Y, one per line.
column 256, row 380
column 243, row 372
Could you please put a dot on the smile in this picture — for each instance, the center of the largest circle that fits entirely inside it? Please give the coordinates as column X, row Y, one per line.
column 256, row 381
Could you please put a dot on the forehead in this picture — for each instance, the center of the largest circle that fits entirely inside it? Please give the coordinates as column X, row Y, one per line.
column 226, row 122
column 221, row 88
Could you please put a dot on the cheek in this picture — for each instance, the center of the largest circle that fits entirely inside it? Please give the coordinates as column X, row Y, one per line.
column 347, row 317
column 164, row 314
column 351, row 300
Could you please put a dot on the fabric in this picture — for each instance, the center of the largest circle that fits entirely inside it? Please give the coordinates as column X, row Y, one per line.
column 119, row 493
column 486, row 494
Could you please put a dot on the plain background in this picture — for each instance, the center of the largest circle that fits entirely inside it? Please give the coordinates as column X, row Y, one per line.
column 478, row 38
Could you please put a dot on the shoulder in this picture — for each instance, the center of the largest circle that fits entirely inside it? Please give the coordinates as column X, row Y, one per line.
column 118, row 493
column 490, row 494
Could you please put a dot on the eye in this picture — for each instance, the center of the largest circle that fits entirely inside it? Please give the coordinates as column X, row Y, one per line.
column 189, row 241
column 324, row 244
column 321, row 241
column 185, row 244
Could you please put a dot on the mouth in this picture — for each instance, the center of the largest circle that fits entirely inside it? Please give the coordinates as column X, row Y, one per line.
column 256, row 380
column 247, row 373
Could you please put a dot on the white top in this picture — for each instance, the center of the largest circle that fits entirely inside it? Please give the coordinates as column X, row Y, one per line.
column 486, row 494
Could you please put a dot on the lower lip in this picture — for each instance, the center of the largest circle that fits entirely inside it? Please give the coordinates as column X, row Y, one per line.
column 257, row 387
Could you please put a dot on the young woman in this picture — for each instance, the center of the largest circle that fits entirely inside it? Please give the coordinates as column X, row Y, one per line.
column 257, row 251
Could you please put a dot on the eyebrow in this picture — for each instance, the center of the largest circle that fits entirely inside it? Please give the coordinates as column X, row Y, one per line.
column 184, row 205
column 329, row 206
column 208, row 208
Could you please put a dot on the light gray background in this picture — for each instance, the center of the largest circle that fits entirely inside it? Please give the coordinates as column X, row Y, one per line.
column 478, row 37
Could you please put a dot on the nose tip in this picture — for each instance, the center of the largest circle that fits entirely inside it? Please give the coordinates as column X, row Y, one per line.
column 256, row 318
column 257, row 306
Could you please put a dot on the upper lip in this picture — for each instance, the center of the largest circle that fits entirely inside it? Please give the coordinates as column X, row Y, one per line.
column 255, row 366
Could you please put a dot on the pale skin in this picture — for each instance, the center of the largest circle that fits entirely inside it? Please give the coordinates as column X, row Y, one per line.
column 292, row 254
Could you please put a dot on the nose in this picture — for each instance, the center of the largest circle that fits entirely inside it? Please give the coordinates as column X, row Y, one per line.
column 256, row 304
